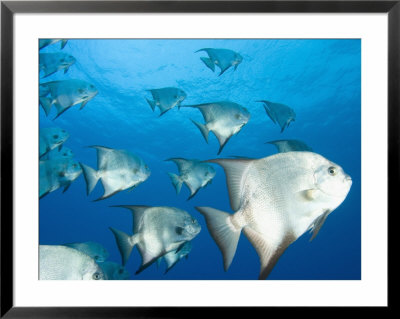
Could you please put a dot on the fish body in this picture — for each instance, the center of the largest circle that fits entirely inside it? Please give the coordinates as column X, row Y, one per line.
column 57, row 173
column 92, row 249
column 65, row 152
column 276, row 199
column 224, row 119
column 280, row 114
column 57, row 262
column 50, row 63
column 290, row 146
column 192, row 172
column 156, row 231
column 114, row 271
column 118, row 170
column 64, row 94
column 171, row 258
column 166, row 98
column 51, row 138
column 45, row 42
column 223, row 58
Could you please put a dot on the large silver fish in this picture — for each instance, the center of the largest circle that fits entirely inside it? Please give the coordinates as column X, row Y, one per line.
column 224, row 119
column 290, row 146
column 56, row 173
column 91, row 248
column 166, row 98
column 194, row 173
column 57, row 262
column 114, row 271
column 156, row 231
column 50, row 63
column 64, row 94
column 118, row 170
column 223, row 58
column 280, row 114
column 171, row 258
column 276, row 199
column 51, row 138
column 45, row 42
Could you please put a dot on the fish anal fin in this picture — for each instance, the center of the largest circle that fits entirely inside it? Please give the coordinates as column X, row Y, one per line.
column 234, row 169
column 268, row 252
column 209, row 63
column 317, row 224
column 203, row 129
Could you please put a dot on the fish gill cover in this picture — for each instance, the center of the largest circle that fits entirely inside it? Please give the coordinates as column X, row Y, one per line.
column 114, row 99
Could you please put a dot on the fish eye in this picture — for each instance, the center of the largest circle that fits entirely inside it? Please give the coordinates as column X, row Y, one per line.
column 74, row 165
column 91, row 86
column 55, row 136
column 81, row 91
column 96, row 257
column 237, row 116
column 96, row 276
column 62, row 60
column 120, row 271
column 332, row 171
column 179, row 230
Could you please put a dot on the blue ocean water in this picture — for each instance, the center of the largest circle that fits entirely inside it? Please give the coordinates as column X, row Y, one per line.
column 319, row 78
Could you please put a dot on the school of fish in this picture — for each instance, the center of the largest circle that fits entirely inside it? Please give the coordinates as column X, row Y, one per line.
column 274, row 199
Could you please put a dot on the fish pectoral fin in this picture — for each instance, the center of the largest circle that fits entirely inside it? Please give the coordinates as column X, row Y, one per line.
column 83, row 104
column 317, row 224
column 308, row 194
column 222, row 231
column 267, row 252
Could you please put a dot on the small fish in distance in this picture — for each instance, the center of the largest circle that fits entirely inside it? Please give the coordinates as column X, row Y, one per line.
column 194, row 173
column 93, row 249
column 290, row 146
column 275, row 199
column 50, row 63
column 166, row 98
column 223, row 58
column 171, row 258
column 64, row 94
column 224, row 119
column 56, row 173
column 118, row 170
column 156, row 231
column 45, row 42
column 280, row 114
column 57, row 262
column 114, row 271
column 51, row 138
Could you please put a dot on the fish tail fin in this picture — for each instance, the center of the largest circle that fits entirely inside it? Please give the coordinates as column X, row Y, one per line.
column 176, row 181
column 91, row 177
column 225, row 234
column 46, row 103
column 203, row 129
column 209, row 63
column 125, row 243
column 151, row 103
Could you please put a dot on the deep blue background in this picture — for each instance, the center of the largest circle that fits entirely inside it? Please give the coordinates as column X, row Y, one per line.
column 319, row 79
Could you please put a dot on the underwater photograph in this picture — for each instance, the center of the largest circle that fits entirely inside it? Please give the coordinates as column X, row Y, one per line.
column 199, row 159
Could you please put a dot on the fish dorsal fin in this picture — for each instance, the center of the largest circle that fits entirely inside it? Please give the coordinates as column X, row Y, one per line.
column 182, row 163
column 317, row 224
column 101, row 154
column 235, row 171
column 268, row 252
column 137, row 213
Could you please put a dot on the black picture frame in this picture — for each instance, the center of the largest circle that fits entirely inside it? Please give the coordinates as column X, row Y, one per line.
column 9, row 8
